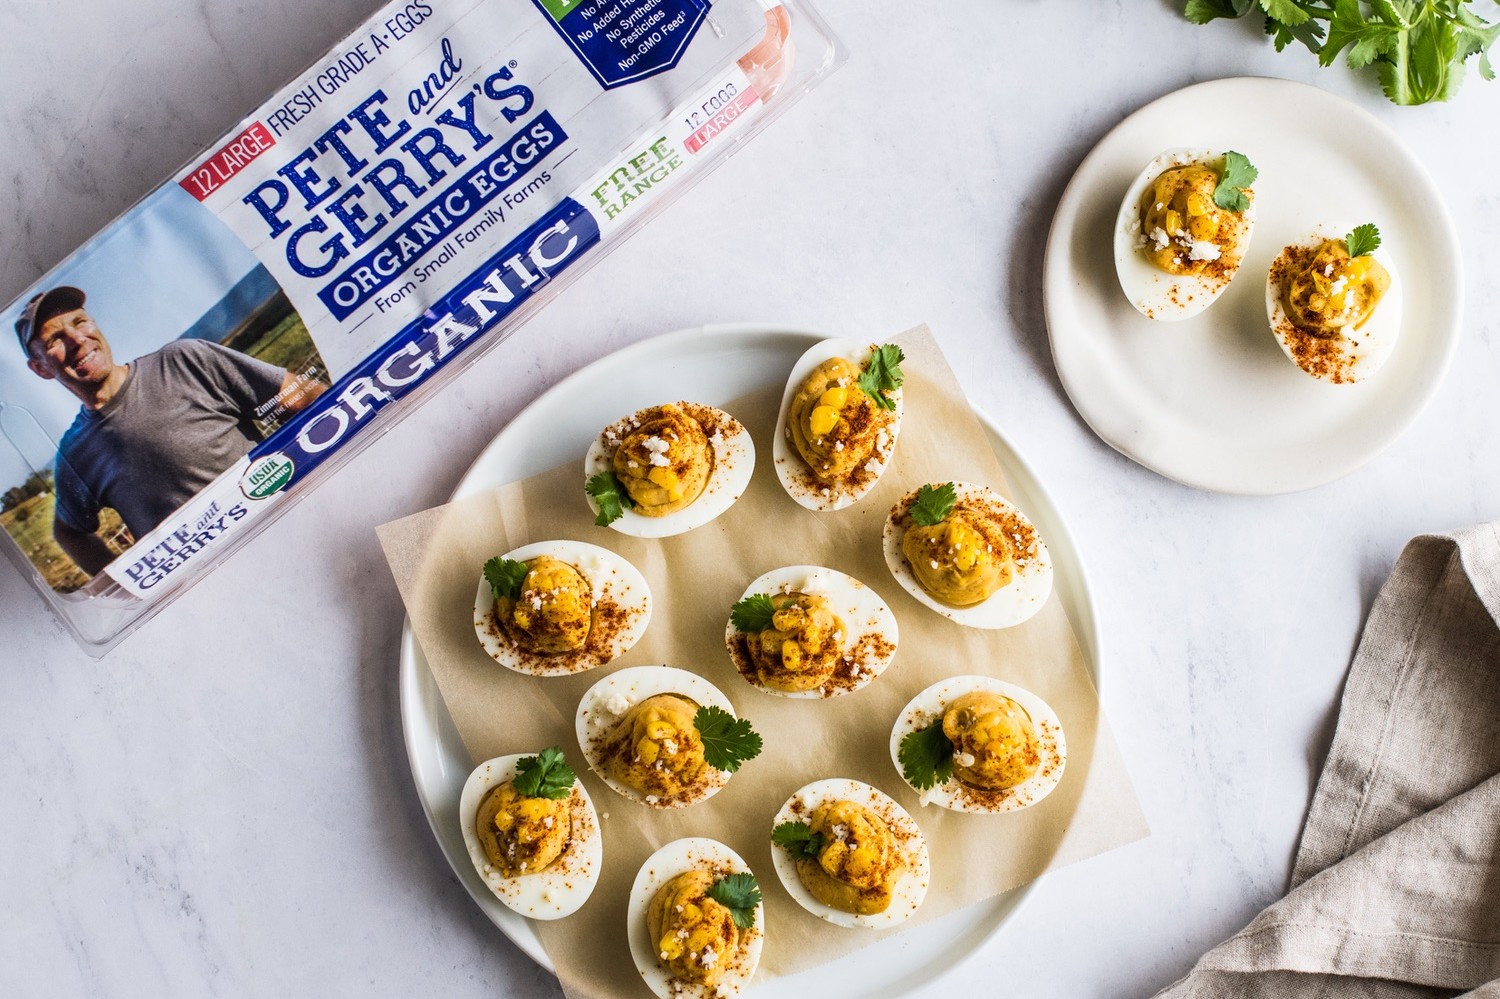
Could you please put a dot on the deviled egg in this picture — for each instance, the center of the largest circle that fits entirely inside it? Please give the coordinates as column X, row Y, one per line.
column 1334, row 303
column 809, row 631
column 532, row 833
column 840, row 416
column 969, row 554
column 662, row 736
column 696, row 923
column 558, row 607
column 667, row 469
column 1182, row 231
column 849, row 854
column 978, row 744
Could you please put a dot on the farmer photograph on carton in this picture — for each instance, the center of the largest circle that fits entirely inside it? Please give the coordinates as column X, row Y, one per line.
column 138, row 436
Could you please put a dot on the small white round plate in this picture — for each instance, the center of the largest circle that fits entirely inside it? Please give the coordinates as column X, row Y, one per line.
column 723, row 362
column 1212, row 401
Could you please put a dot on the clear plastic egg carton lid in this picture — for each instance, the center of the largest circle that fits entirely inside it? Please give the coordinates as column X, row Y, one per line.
column 343, row 252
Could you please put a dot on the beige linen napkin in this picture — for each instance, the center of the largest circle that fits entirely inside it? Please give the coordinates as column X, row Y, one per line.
column 1396, row 889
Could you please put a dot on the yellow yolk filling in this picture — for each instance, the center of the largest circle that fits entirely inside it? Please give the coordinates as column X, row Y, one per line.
column 694, row 935
column 1177, row 210
column 665, row 462
column 521, row 835
column 857, row 869
column 994, row 741
column 555, row 610
column 801, row 648
column 832, row 424
column 961, row 560
column 1331, row 292
column 656, row 749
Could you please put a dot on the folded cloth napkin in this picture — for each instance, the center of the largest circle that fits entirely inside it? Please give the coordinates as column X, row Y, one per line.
column 1396, row 889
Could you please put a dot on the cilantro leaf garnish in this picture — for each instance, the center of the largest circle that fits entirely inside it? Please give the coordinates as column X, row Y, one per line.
column 546, row 775
column 740, row 894
column 1364, row 239
column 752, row 614
column 1418, row 49
column 799, row 839
column 610, row 496
column 926, row 756
column 727, row 741
column 933, row 504
column 882, row 374
column 505, row 577
column 1238, row 175
column 1203, row 11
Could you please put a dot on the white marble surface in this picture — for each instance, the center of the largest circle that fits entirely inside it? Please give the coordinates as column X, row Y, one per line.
column 216, row 809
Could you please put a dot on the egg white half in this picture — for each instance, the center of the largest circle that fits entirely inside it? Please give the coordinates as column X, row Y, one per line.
column 870, row 631
column 1344, row 358
column 1013, row 603
column 606, row 702
column 613, row 582
column 800, row 484
column 930, row 704
column 677, row 857
column 910, row 889
column 568, row 881
column 1153, row 292
column 734, row 463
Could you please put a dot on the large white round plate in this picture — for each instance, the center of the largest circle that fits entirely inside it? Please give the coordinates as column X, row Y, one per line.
column 722, row 362
column 1212, row 401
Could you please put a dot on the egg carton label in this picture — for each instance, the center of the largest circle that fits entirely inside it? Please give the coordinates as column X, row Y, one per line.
column 366, row 227
column 621, row 41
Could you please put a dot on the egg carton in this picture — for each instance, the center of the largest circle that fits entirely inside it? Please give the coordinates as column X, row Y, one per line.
column 372, row 229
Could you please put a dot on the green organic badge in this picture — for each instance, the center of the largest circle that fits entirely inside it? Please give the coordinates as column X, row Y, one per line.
column 267, row 476
column 559, row 8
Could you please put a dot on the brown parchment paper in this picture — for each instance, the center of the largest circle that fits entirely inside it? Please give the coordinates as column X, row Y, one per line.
column 437, row 555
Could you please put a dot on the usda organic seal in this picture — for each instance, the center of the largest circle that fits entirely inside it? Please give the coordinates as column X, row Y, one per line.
column 267, row 476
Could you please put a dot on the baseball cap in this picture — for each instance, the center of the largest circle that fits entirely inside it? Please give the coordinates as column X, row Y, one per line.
column 42, row 307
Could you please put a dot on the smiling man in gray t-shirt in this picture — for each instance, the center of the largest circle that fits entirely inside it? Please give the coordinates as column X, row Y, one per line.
column 151, row 433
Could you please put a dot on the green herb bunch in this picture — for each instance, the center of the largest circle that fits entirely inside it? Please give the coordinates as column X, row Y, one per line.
column 1418, row 47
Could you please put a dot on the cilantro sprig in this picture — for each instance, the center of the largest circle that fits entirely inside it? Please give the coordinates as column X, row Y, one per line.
column 1239, row 174
column 610, row 496
column 753, row 613
column 727, row 741
column 505, row 577
column 926, row 756
column 799, row 839
column 546, row 775
column 740, row 894
column 1364, row 239
column 883, row 374
column 1417, row 47
column 933, row 504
